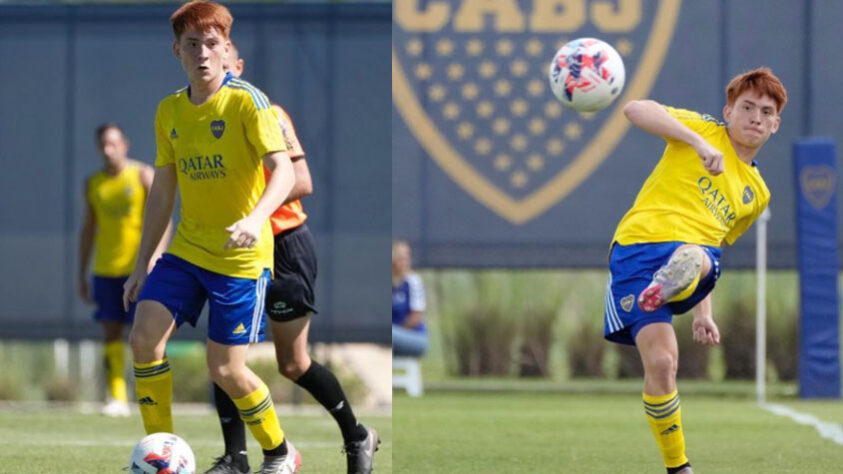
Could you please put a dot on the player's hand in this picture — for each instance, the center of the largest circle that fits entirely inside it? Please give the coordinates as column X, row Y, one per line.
column 705, row 331
column 244, row 234
column 132, row 287
column 712, row 158
column 85, row 290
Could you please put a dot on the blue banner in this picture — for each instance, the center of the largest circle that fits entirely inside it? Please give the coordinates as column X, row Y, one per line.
column 817, row 257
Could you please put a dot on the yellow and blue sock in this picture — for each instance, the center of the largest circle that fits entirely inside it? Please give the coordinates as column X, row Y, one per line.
column 665, row 417
column 114, row 371
column 154, row 387
column 258, row 412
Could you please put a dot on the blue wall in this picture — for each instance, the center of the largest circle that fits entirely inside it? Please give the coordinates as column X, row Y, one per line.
column 473, row 208
column 67, row 69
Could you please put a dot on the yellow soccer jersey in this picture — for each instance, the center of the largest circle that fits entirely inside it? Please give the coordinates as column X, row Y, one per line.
column 217, row 148
column 681, row 201
column 118, row 203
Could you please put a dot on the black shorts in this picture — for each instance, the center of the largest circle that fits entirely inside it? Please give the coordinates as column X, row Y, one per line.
column 294, row 276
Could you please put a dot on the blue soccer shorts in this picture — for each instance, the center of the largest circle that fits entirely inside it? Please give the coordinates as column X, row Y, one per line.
column 236, row 305
column 108, row 296
column 631, row 270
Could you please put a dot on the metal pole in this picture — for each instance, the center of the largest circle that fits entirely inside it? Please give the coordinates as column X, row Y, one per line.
column 761, row 307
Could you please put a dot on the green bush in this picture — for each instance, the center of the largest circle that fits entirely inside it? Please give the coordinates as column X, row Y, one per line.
column 191, row 381
column 629, row 362
column 11, row 386
column 478, row 328
column 536, row 342
column 693, row 356
column 582, row 323
column 60, row 389
column 783, row 323
column 734, row 312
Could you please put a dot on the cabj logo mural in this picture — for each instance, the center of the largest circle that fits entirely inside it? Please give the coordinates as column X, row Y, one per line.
column 469, row 79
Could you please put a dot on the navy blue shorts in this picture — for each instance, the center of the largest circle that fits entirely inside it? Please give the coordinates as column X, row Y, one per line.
column 236, row 305
column 631, row 270
column 108, row 295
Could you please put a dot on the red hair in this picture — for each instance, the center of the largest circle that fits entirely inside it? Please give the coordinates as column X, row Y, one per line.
column 761, row 80
column 202, row 16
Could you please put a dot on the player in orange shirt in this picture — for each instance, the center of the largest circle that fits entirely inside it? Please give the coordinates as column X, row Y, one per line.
column 290, row 302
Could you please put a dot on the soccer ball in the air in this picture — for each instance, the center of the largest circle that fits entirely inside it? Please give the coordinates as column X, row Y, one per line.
column 162, row 453
column 587, row 74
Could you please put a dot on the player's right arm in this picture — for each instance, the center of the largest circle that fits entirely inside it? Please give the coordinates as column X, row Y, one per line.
column 159, row 208
column 86, row 245
column 159, row 201
column 653, row 118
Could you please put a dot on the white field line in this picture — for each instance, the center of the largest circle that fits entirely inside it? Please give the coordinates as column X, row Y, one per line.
column 827, row 429
column 195, row 443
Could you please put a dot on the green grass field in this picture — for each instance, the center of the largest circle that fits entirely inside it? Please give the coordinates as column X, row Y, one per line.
column 64, row 441
column 471, row 432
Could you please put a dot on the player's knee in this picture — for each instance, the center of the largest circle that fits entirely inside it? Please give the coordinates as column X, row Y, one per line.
column 142, row 342
column 221, row 374
column 286, row 298
column 663, row 365
column 294, row 368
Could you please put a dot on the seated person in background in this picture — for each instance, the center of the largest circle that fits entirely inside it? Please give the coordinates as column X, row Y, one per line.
column 409, row 334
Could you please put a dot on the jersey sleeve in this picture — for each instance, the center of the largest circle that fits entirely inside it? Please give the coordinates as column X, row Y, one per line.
column 294, row 147
column 700, row 123
column 416, row 290
column 164, row 130
column 261, row 124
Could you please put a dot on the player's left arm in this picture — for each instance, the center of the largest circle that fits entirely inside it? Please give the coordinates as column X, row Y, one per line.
column 246, row 231
column 704, row 328
column 304, row 183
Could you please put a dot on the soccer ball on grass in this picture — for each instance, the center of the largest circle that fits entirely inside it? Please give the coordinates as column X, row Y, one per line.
column 162, row 453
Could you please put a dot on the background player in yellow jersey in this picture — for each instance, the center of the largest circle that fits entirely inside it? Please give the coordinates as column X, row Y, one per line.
column 111, row 229
column 290, row 302
column 212, row 138
column 706, row 190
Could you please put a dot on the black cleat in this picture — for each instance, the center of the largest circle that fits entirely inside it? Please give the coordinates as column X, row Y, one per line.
column 226, row 464
column 359, row 454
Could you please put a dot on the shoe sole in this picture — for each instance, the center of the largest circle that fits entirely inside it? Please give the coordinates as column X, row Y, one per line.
column 670, row 280
column 298, row 461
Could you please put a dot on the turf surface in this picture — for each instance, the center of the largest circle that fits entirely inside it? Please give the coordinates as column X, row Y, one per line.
column 601, row 433
column 64, row 441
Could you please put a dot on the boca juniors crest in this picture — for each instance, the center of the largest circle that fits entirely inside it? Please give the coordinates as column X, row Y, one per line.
column 469, row 78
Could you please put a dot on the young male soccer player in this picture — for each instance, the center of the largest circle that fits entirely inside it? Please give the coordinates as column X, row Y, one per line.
column 289, row 303
column 705, row 191
column 212, row 137
column 111, row 228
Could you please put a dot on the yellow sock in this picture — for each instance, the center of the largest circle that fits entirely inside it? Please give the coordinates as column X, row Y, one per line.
column 665, row 417
column 258, row 412
column 114, row 370
column 154, row 387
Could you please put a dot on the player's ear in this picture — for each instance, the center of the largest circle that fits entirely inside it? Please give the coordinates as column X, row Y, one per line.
column 727, row 113
column 176, row 49
column 775, row 127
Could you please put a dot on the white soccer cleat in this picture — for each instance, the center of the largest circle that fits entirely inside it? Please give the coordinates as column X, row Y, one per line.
column 671, row 279
column 288, row 464
column 116, row 409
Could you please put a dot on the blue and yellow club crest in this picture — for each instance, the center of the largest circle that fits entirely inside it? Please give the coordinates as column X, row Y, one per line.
column 469, row 78
column 817, row 184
